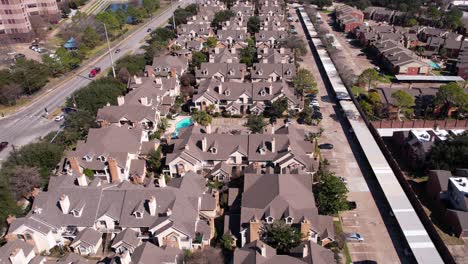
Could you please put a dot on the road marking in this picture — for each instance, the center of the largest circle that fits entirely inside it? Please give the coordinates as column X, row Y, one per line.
column 420, row 232
column 409, row 210
column 421, row 245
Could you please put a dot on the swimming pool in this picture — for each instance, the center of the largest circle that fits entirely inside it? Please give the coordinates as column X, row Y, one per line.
column 186, row 122
column 434, row 65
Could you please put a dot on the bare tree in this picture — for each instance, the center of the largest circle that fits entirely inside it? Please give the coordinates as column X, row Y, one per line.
column 23, row 180
column 208, row 255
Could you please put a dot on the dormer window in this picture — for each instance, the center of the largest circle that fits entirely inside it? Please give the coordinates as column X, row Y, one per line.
column 166, row 69
column 260, row 72
column 214, row 150
column 261, row 150
column 138, row 214
column 288, row 220
column 87, row 158
column 227, row 92
column 101, row 158
column 76, row 213
column 288, row 72
column 269, row 219
column 205, row 72
column 262, row 92
column 231, row 72
column 157, row 69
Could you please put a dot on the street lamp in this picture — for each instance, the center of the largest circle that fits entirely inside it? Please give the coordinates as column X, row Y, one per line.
column 109, row 49
column 173, row 16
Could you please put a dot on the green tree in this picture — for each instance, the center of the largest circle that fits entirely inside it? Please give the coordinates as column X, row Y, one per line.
column 404, row 101
column 296, row 43
column 153, row 161
column 453, row 18
column 31, row 75
column 306, row 114
column 278, row 107
column 88, row 173
column 202, row 118
column 253, row 25
column 68, row 59
column 135, row 64
column 304, row 82
column 90, row 37
column 150, row 5
column 77, row 125
column 369, row 77
column 109, row 18
column 433, row 13
column 281, row 236
column 367, row 108
column 155, row 49
column 323, row 3
column 221, row 16
column 449, row 154
column 121, row 18
column 411, row 22
column 211, row 42
column 97, row 94
column 330, row 193
column 255, row 123
column 247, row 54
column 452, row 95
column 8, row 205
column 42, row 155
column 198, row 58
column 162, row 34
column 137, row 14
column 226, row 241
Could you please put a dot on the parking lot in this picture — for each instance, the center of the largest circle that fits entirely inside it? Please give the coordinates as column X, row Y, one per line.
column 346, row 160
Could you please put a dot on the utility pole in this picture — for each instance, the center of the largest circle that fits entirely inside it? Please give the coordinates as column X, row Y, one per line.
column 173, row 15
column 109, row 49
column 14, row 153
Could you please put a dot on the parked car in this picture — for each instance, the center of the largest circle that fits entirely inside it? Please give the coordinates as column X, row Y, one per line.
column 117, row 51
column 59, row 118
column 314, row 103
column 3, row 145
column 148, row 30
column 20, row 56
column 326, row 146
column 95, row 71
column 355, row 237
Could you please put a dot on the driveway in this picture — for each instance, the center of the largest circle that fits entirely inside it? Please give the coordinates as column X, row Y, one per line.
column 346, row 159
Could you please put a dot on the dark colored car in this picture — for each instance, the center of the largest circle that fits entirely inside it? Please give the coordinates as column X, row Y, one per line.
column 94, row 72
column 317, row 115
column 326, row 146
column 148, row 30
column 3, row 145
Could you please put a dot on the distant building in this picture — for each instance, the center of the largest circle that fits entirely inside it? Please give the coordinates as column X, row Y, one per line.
column 17, row 15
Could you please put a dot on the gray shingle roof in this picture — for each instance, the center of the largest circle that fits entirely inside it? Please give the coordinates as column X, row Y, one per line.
column 148, row 253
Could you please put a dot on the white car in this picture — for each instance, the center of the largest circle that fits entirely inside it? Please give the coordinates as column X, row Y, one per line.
column 355, row 237
column 59, row 118
column 314, row 103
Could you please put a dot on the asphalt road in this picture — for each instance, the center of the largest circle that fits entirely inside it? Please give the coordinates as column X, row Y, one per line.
column 27, row 124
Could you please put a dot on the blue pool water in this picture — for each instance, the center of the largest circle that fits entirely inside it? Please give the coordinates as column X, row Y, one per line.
column 186, row 122
column 434, row 65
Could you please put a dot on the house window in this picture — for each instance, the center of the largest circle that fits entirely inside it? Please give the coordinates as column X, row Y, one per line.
column 28, row 236
column 87, row 158
column 289, row 220
column 20, row 237
column 269, row 220
column 138, row 215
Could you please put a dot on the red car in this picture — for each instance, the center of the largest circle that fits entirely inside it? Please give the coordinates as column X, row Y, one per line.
column 3, row 145
column 94, row 72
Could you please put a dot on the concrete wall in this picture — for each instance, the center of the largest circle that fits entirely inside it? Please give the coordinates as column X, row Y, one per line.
column 442, row 124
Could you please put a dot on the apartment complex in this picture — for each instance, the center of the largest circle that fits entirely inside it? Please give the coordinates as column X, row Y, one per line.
column 16, row 16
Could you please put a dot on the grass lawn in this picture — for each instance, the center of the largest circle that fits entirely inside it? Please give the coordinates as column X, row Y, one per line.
column 326, row 11
column 338, row 233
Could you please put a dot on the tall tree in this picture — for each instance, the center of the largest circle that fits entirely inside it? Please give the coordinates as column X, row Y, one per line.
column 198, row 58
column 253, row 25
column 404, row 101
column 31, row 75
column 202, row 118
column 331, row 193
column 453, row 18
column 221, row 16
column 323, row 3
column 150, row 5
column 90, row 37
column 278, row 107
column 369, row 77
column 255, row 123
column 449, row 154
column 452, row 95
column 247, row 54
column 304, row 82
column 281, row 236
column 23, row 180
column 211, row 42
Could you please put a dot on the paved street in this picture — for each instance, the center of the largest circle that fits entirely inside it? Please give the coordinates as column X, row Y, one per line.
column 346, row 160
column 28, row 124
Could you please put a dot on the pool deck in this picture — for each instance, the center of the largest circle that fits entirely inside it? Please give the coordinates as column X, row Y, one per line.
column 172, row 124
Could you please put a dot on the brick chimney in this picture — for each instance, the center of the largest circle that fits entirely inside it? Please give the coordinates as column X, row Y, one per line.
column 64, row 204
column 254, row 230
column 273, row 145
column 149, row 72
column 174, row 72
column 305, row 229
column 208, row 129
column 113, row 170
column 204, row 144
column 74, row 165
column 263, row 250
